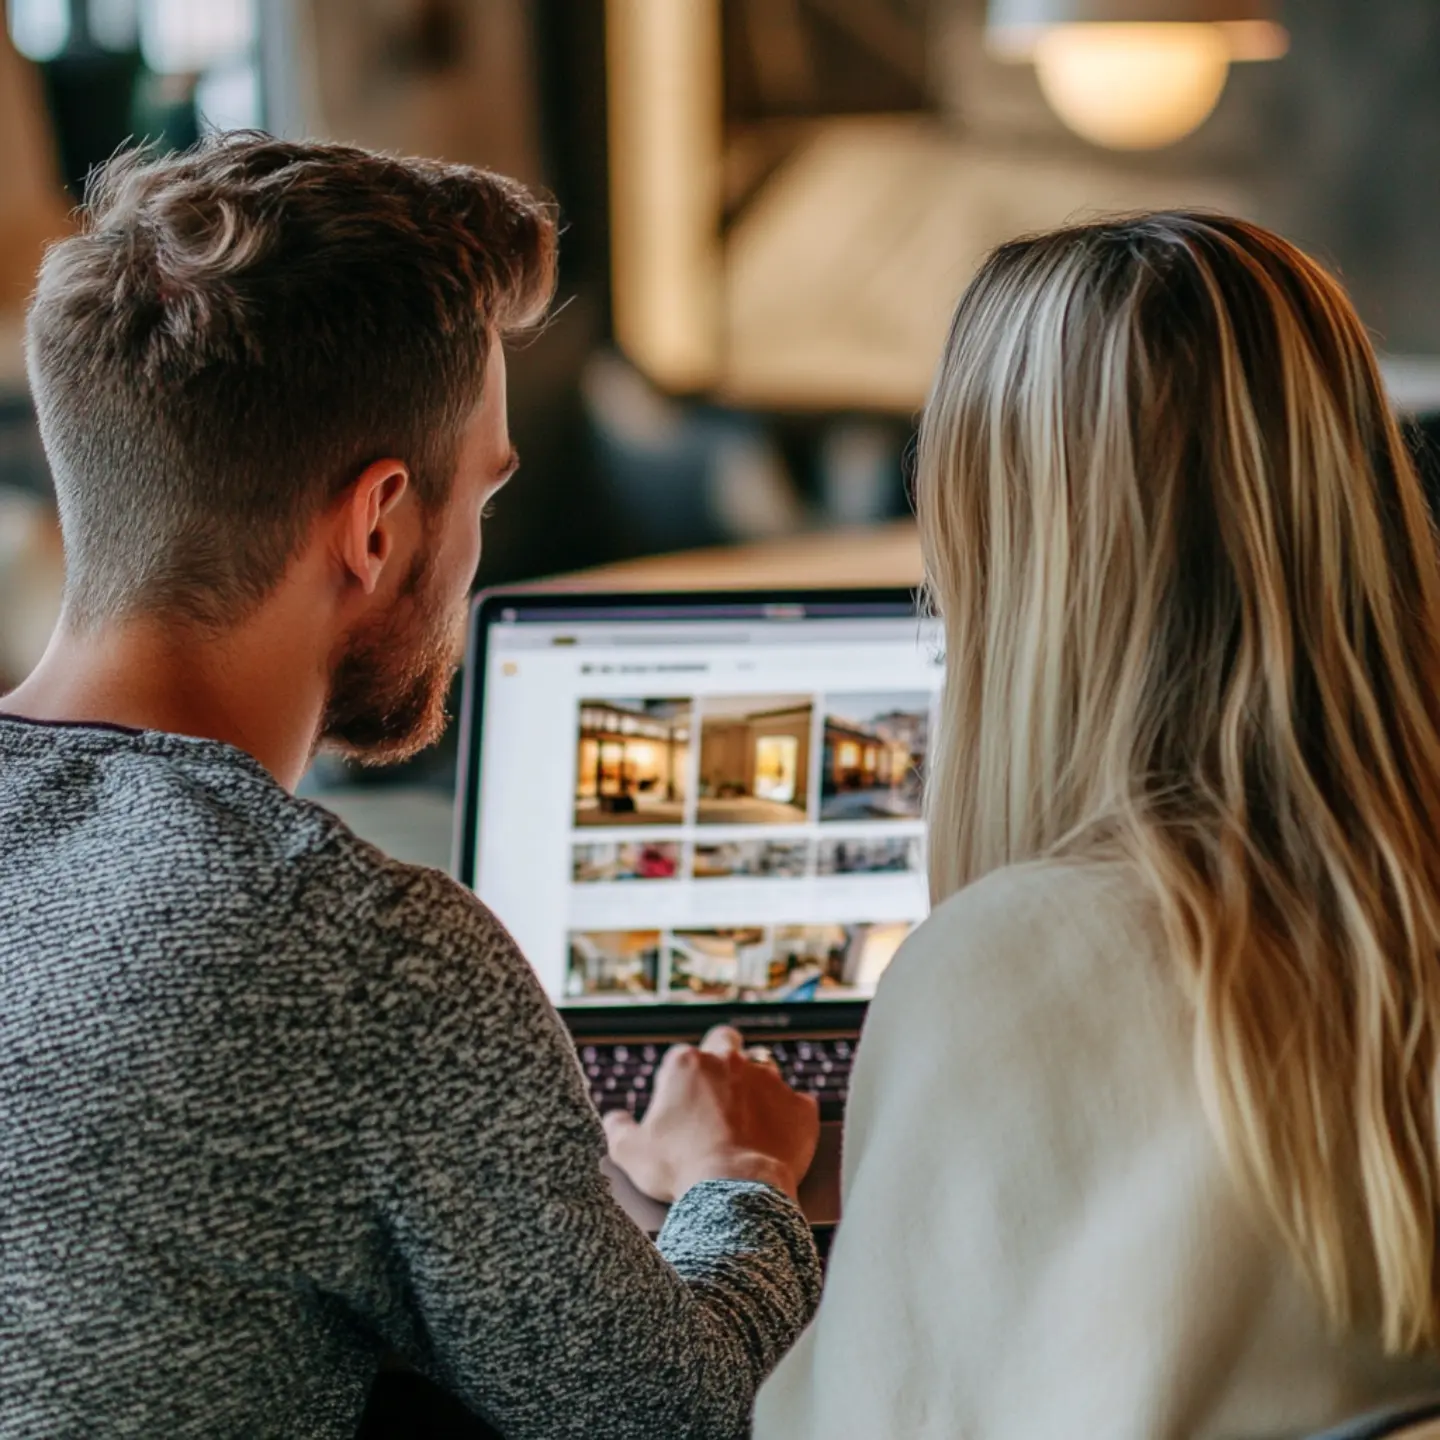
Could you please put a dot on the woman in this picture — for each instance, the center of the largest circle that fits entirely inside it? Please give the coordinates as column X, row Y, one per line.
column 1143, row 1137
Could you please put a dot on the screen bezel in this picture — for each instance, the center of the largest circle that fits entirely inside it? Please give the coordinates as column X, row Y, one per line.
column 656, row 1019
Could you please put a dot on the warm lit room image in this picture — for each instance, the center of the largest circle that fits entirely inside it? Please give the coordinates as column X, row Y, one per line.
column 847, row 957
column 613, row 964
column 812, row 958
column 631, row 762
column 787, row 963
column 625, row 860
column 872, row 757
column 752, row 859
column 754, row 759
column 725, row 963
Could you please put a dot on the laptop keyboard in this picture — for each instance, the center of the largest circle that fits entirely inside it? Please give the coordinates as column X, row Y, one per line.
column 621, row 1076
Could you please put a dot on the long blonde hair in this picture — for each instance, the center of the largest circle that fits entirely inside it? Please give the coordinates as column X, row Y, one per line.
column 1191, row 602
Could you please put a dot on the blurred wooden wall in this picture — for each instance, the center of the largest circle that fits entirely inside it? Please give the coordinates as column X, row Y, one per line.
column 33, row 206
column 449, row 78
column 1349, row 129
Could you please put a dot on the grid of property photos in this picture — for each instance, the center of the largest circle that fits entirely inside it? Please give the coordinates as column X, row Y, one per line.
column 798, row 806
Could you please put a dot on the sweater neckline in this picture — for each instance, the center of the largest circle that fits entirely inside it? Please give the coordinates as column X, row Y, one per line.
column 106, row 726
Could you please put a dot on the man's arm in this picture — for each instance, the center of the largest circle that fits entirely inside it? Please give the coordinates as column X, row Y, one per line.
column 515, row 1278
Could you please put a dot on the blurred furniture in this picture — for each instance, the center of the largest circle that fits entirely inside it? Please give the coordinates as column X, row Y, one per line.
column 1414, row 1422
column 863, row 556
column 23, row 466
column 32, row 577
column 451, row 78
column 794, row 210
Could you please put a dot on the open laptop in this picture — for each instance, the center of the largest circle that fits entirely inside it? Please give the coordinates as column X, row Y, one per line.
column 694, row 809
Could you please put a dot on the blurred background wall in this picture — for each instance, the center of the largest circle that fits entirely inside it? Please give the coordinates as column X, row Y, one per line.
column 1347, row 136
column 770, row 206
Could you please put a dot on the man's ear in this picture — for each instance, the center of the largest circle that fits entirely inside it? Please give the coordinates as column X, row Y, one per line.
column 365, row 520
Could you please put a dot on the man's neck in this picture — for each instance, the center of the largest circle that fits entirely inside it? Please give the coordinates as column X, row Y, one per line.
column 246, row 687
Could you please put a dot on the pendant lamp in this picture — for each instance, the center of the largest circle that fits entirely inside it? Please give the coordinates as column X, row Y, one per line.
column 1133, row 74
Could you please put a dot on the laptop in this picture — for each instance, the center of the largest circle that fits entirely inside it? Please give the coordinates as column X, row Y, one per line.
column 700, row 809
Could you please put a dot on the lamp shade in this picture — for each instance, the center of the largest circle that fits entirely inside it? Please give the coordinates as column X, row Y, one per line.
column 1014, row 27
column 1133, row 74
column 1042, row 13
column 1132, row 87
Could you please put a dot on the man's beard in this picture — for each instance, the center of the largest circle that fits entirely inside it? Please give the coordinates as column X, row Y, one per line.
column 388, row 688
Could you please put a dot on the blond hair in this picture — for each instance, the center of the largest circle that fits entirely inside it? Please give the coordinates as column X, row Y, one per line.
column 1191, row 604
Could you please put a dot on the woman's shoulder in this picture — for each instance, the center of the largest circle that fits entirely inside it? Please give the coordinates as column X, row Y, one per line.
column 1038, row 1024
column 1069, row 910
column 1065, row 954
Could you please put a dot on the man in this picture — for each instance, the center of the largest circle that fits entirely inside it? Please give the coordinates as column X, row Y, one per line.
column 274, row 1105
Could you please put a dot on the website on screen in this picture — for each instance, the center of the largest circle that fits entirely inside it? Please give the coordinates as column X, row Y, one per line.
column 720, row 811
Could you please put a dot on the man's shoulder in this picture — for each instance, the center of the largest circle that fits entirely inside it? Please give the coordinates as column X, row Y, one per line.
column 410, row 928
column 336, row 894
column 195, row 838
column 420, row 911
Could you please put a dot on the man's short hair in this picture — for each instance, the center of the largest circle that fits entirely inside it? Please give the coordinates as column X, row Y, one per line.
column 237, row 330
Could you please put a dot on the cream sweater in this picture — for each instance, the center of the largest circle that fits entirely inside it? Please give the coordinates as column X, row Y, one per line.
column 1041, row 1237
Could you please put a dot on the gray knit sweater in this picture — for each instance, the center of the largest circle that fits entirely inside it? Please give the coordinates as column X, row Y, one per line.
column 273, row 1105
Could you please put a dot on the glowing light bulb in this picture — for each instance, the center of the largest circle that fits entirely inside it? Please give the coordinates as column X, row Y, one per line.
column 1132, row 87
column 1135, row 84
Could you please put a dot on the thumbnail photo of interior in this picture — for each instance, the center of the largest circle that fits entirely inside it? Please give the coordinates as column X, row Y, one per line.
column 754, row 759
column 625, row 860
column 873, row 756
column 868, row 855
column 752, row 859
column 722, row 964
column 786, row 962
column 613, row 964
column 632, row 759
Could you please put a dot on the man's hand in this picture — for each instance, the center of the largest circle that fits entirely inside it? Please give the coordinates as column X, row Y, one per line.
column 716, row 1114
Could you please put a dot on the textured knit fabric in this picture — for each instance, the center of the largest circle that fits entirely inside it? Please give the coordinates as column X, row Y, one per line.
column 273, row 1105
column 1041, row 1238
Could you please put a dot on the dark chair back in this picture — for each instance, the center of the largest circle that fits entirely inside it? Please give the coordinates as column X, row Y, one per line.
column 1420, row 1421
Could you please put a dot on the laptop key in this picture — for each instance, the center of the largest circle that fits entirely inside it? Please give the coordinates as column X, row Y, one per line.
column 621, row 1076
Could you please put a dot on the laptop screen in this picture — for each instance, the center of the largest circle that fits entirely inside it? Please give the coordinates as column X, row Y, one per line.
column 692, row 802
